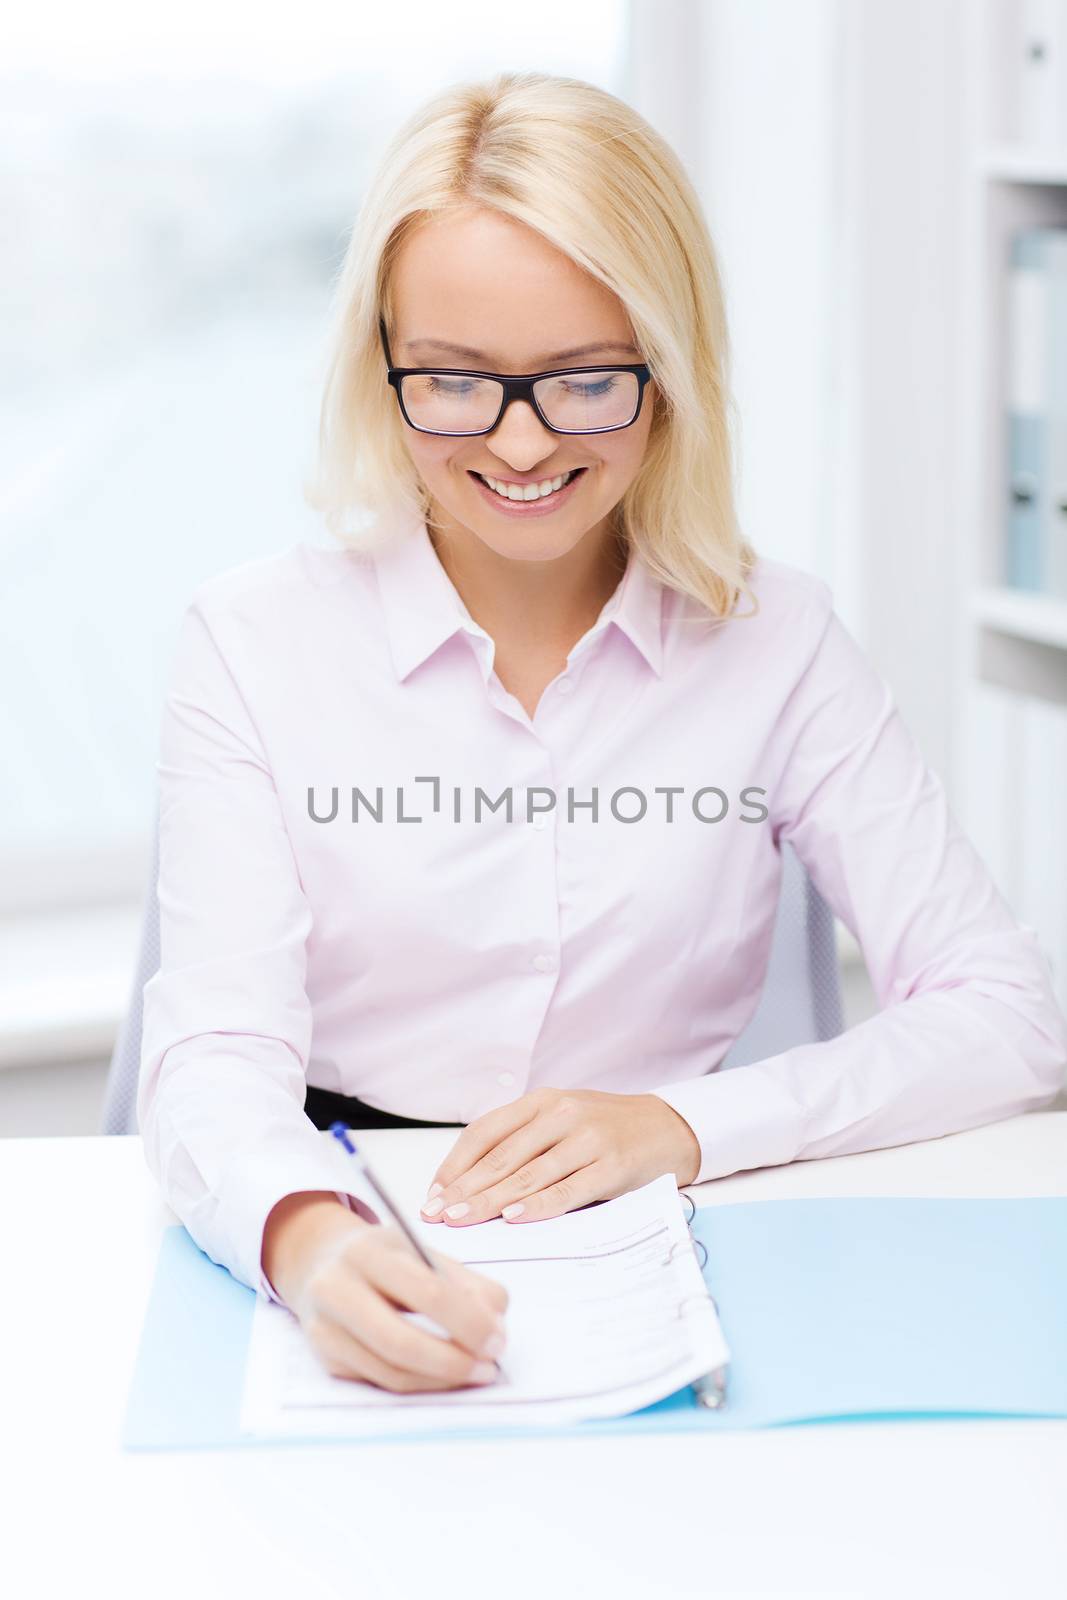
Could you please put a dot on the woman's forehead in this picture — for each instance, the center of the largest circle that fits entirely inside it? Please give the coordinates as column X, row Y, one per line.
column 421, row 346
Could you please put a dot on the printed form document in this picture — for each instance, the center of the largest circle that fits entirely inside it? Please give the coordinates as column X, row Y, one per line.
column 608, row 1312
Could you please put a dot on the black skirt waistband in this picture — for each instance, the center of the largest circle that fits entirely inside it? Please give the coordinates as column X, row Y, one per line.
column 325, row 1107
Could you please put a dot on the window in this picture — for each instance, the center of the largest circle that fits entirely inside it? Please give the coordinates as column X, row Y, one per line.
column 178, row 187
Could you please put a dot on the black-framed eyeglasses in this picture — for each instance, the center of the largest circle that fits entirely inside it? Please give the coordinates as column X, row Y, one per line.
column 457, row 403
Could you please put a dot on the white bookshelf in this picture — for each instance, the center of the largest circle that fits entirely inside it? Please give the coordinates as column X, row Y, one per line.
column 1012, row 650
column 1016, row 163
column 1037, row 618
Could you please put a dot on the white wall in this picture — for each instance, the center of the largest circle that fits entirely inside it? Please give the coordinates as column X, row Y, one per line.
column 743, row 89
column 827, row 141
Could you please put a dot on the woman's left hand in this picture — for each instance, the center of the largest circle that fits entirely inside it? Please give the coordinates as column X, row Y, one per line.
column 555, row 1150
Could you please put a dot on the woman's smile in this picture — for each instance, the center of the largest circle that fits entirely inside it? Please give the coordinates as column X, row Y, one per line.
column 516, row 504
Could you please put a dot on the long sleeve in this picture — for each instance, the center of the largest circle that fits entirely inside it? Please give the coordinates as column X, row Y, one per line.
column 969, row 1030
column 227, row 1021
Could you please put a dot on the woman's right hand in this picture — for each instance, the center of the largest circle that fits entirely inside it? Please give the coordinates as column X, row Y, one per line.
column 350, row 1281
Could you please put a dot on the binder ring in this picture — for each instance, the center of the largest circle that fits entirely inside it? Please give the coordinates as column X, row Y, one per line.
column 693, row 1212
column 694, row 1245
column 699, row 1299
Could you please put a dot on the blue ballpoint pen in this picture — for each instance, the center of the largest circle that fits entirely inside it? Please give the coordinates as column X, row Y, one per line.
column 340, row 1132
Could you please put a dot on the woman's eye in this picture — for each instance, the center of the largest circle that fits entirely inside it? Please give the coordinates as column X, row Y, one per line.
column 592, row 391
column 449, row 386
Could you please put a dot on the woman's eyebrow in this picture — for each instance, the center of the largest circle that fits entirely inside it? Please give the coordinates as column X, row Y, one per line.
column 560, row 355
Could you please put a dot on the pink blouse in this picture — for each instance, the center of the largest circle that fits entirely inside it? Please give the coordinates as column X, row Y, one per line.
column 379, row 875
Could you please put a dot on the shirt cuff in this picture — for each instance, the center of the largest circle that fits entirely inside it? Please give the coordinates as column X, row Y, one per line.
column 742, row 1118
column 261, row 1174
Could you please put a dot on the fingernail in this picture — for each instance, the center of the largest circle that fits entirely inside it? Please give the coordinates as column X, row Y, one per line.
column 493, row 1346
column 514, row 1210
column 432, row 1208
column 435, row 1188
column 459, row 1210
column 483, row 1372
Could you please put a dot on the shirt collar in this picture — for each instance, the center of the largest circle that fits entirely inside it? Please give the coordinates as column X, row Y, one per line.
column 423, row 608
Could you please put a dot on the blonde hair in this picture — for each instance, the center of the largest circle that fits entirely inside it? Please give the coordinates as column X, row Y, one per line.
column 590, row 175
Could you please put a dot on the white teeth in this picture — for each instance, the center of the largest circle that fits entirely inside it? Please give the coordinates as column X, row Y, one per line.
column 529, row 491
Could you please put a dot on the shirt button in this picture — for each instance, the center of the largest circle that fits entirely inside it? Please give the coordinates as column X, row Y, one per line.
column 565, row 685
column 539, row 822
column 505, row 1078
column 543, row 963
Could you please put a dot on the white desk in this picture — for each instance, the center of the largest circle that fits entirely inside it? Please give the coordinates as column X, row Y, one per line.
column 904, row 1509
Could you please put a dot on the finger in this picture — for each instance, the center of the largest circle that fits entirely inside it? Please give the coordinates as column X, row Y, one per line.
column 562, row 1160
column 365, row 1303
column 582, row 1188
column 345, row 1356
column 488, row 1290
column 388, row 1334
column 404, row 1280
column 482, row 1134
column 511, row 1155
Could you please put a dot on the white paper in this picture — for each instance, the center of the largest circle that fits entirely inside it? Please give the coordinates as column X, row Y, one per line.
column 608, row 1313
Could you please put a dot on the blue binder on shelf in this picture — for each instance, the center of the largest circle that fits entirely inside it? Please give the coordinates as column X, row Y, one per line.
column 1036, row 528
column 834, row 1310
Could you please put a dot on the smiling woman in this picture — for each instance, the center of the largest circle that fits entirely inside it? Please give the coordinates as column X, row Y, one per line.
column 528, row 396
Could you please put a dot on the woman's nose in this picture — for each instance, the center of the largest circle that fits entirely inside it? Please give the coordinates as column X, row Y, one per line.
column 521, row 438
